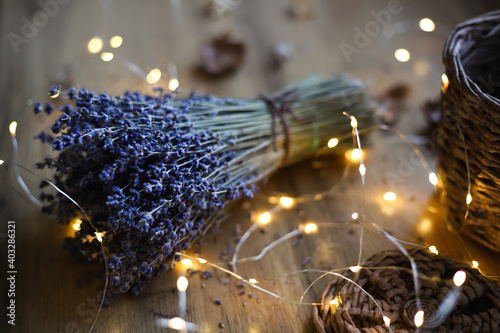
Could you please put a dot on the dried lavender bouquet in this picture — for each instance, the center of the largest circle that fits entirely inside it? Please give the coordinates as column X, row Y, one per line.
column 155, row 173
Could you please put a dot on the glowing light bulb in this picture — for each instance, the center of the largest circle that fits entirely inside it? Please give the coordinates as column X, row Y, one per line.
column 355, row 269
column 252, row 281
column 286, row 202
column 468, row 199
column 433, row 249
column 402, row 55
column 354, row 216
column 116, row 41
column 95, row 45
column 459, row 278
column 177, row 324
column 173, row 84
column 99, row 235
column 445, row 82
column 77, row 225
column 419, row 318
column 182, row 283
column 390, row 196
column 426, row 24
column 354, row 154
column 107, row 56
column 387, row 321
column 433, row 178
column 2, row 162
column 475, row 264
column 153, row 76
column 362, row 170
column 354, row 122
column 13, row 128
column 334, row 302
column 265, row 218
column 332, row 142
column 186, row 262
column 310, row 228
column 202, row 261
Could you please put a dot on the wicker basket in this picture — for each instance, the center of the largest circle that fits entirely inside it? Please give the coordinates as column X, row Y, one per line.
column 470, row 130
column 477, row 309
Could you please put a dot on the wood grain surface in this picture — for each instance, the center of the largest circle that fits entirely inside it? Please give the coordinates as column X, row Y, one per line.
column 57, row 293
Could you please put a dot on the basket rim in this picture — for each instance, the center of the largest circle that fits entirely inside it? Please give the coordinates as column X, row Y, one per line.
column 488, row 23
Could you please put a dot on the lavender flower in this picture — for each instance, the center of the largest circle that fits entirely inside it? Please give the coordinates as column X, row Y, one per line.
column 156, row 173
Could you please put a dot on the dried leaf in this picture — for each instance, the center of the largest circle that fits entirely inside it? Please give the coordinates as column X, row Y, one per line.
column 392, row 102
column 432, row 111
column 222, row 56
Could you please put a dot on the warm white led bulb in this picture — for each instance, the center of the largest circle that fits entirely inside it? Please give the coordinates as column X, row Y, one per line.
column 13, row 128
column 177, row 324
column 390, row 196
column 426, row 24
column 332, row 142
column 173, row 84
column 153, row 76
column 459, row 278
column 419, row 318
column 265, row 218
column 286, row 202
column 433, row 179
column 310, row 228
column 402, row 55
column 116, row 41
column 95, row 45
column 182, row 283
column 186, row 261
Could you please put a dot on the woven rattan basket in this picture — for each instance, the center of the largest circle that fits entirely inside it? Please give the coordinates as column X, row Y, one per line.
column 477, row 309
column 469, row 130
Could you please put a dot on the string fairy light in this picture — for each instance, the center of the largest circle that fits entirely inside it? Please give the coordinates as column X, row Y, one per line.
column 98, row 236
column 153, row 76
column 87, row 218
column 177, row 324
column 186, row 262
column 362, row 172
column 445, row 82
column 95, row 45
column 77, row 224
column 427, row 25
column 107, row 56
column 402, row 55
column 433, row 179
column 265, row 218
column 173, row 84
column 333, row 142
column 418, row 320
column 22, row 184
column 390, row 196
column 433, row 249
column 286, row 202
column 182, row 285
column 116, row 41
column 459, row 278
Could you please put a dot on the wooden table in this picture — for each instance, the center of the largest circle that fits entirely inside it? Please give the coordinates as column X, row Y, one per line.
column 57, row 293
